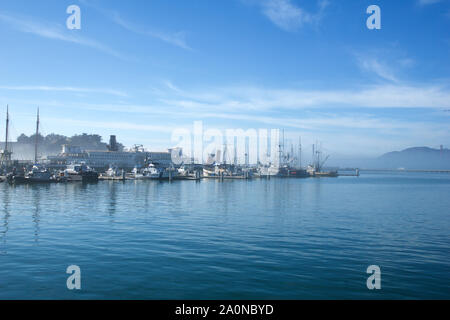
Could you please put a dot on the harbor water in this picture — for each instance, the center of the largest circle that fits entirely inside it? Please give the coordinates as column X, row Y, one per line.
column 235, row 239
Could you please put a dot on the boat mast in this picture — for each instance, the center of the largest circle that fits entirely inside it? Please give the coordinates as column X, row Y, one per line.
column 36, row 140
column 5, row 156
column 299, row 152
column 7, row 130
column 318, row 153
column 283, row 151
column 280, row 152
column 235, row 151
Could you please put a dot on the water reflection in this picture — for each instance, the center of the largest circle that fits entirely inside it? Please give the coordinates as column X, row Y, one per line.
column 112, row 203
column 37, row 192
column 6, row 215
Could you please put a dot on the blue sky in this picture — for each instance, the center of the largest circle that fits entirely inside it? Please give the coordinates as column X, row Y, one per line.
column 140, row 69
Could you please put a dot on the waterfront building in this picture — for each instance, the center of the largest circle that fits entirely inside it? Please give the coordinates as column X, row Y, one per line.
column 104, row 159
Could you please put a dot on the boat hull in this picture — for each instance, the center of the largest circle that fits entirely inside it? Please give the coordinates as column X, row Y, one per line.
column 25, row 180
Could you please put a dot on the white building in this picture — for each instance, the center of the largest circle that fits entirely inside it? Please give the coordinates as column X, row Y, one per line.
column 103, row 159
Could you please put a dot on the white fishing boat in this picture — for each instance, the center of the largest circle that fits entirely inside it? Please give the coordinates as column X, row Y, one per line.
column 271, row 170
column 136, row 174
column 213, row 171
column 114, row 172
column 152, row 172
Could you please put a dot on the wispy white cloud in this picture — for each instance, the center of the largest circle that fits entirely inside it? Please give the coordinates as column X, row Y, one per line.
column 54, row 31
column 65, row 89
column 387, row 64
column 262, row 99
column 173, row 38
column 374, row 65
column 177, row 39
column 173, row 100
column 306, row 112
column 288, row 16
column 317, row 121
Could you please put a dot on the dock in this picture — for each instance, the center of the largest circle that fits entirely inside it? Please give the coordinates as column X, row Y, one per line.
column 101, row 177
column 187, row 178
column 227, row 177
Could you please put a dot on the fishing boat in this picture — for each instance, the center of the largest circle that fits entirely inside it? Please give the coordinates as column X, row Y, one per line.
column 39, row 173
column 271, row 170
column 314, row 172
column 213, row 170
column 136, row 174
column 168, row 173
column 153, row 172
column 296, row 173
column 224, row 171
column 13, row 178
column 113, row 173
column 316, row 168
column 80, row 172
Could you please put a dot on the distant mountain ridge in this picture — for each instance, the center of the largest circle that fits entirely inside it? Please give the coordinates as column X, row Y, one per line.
column 416, row 158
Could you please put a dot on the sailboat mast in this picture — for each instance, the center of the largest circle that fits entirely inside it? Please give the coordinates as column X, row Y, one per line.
column 37, row 136
column 235, row 151
column 7, row 130
column 283, row 151
column 299, row 152
column 291, row 155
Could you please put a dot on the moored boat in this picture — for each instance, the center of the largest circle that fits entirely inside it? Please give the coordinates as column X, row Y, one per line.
column 37, row 174
column 40, row 174
column 80, row 172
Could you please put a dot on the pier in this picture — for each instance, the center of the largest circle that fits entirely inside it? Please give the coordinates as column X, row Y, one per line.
column 405, row 170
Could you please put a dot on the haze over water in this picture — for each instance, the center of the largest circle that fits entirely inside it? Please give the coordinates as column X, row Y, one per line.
column 257, row 239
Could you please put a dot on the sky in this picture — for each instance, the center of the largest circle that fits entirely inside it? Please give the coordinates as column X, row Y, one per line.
column 141, row 69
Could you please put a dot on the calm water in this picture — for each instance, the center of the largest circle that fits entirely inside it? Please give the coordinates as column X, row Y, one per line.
column 282, row 239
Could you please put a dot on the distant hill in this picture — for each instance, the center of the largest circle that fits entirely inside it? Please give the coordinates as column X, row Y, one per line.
column 415, row 158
